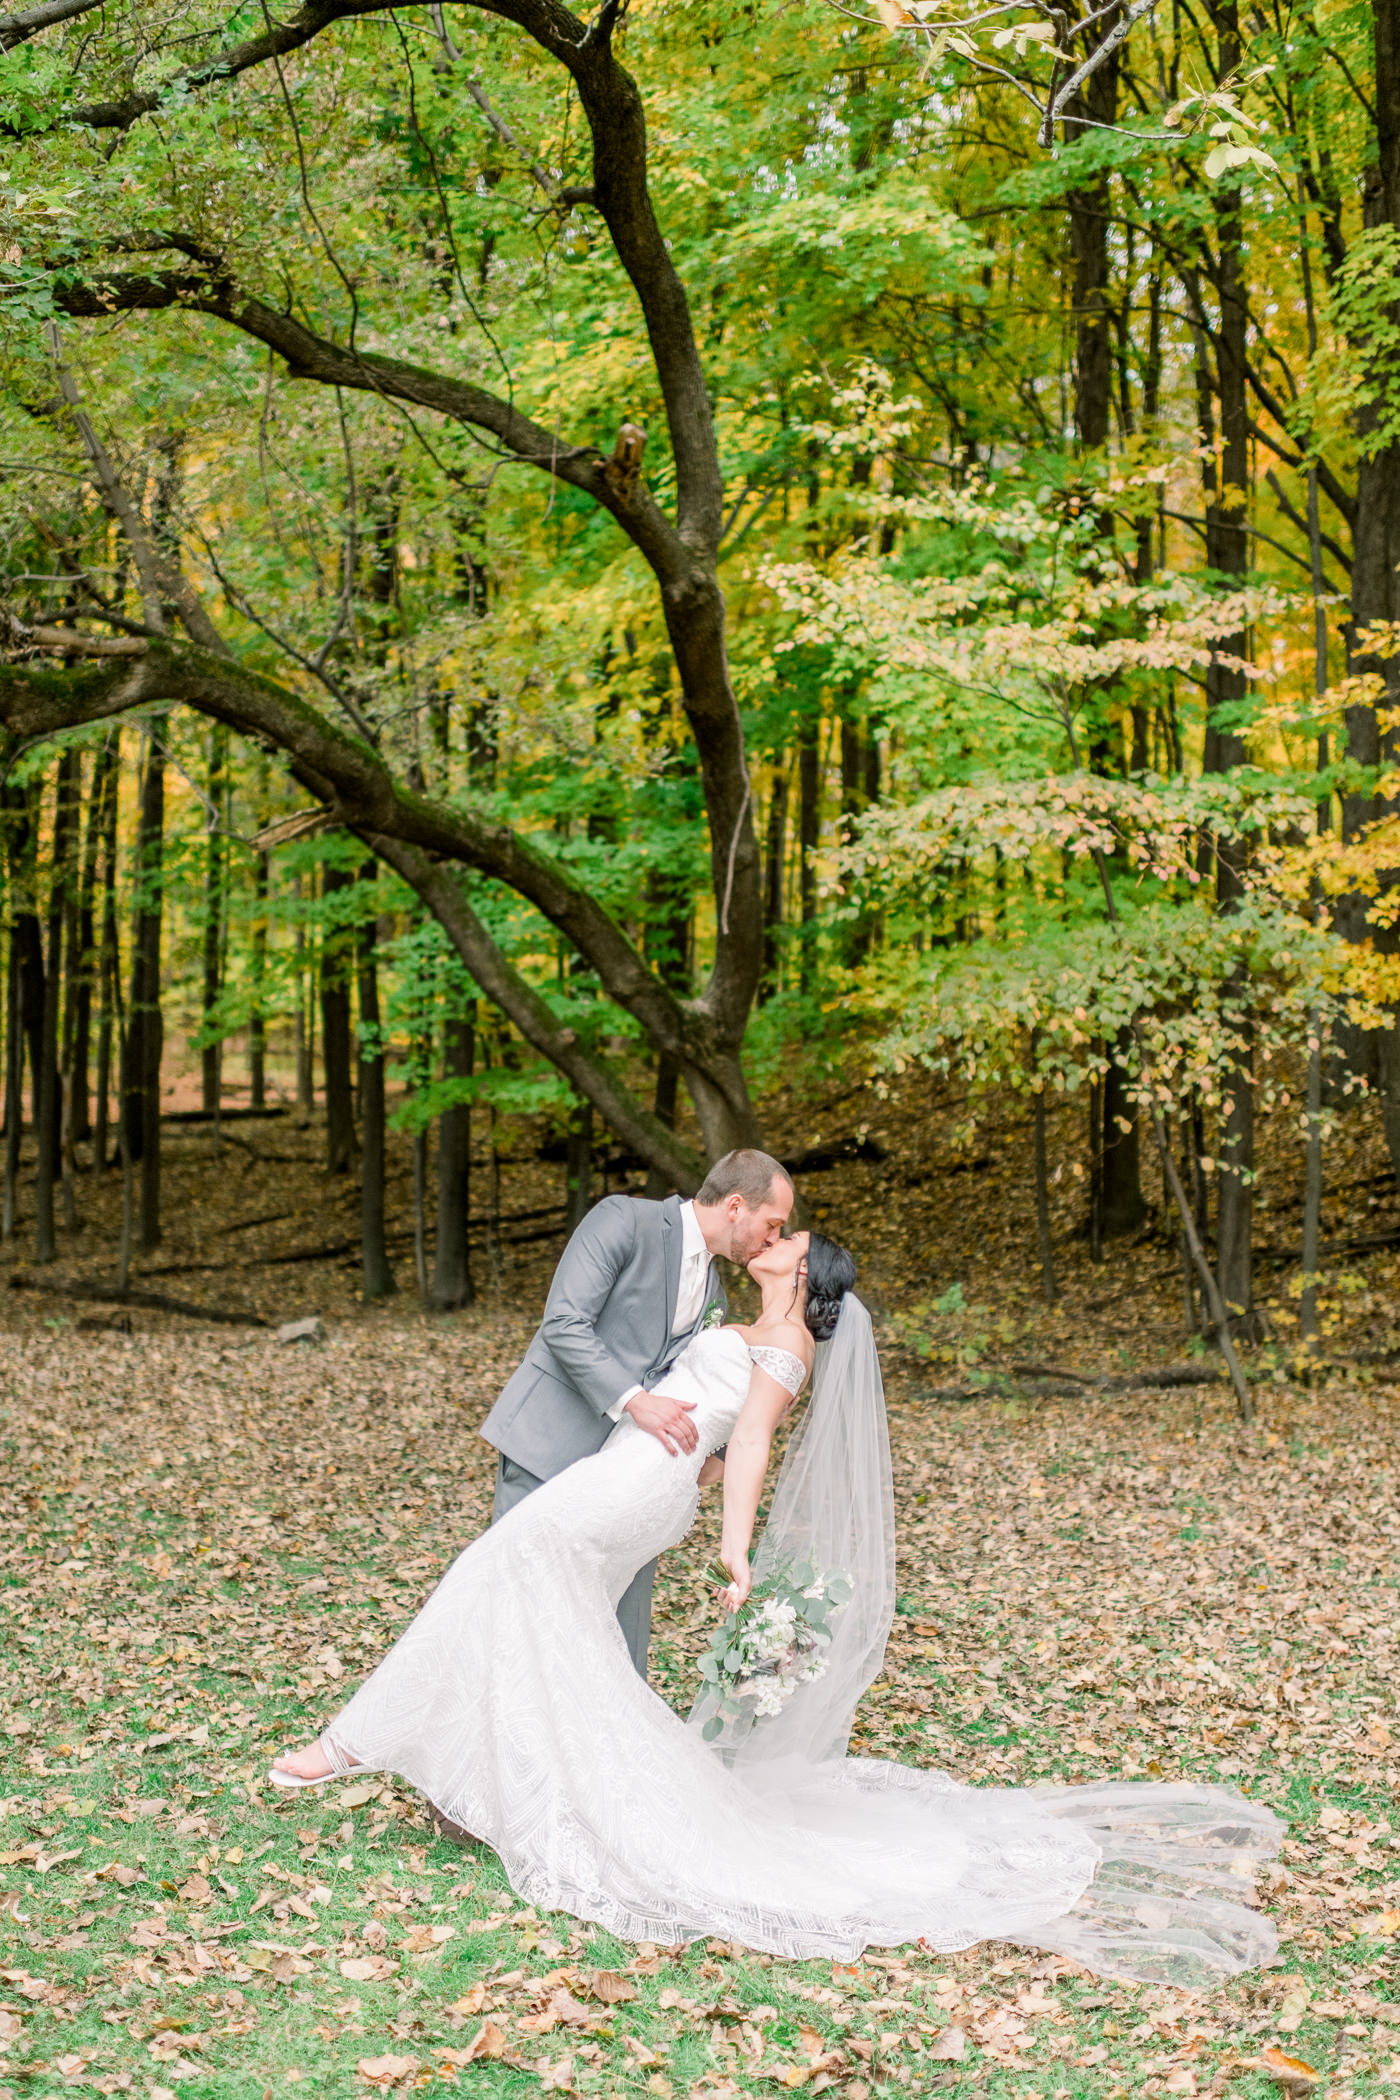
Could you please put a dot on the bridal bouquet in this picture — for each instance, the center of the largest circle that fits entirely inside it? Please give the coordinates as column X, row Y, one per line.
column 774, row 1642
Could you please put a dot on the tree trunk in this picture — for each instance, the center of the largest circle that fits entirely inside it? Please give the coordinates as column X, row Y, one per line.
column 108, row 962
column 337, row 947
column 48, row 1116
column 215, row 906
column 1375, row 583
column 27, row 933
column 305, row 1017
column 1227, row 554
column 451, row 1286
column 774, row 865
column 1095, row 106
column 378, row 1276
column 1116, row 1200
column 808, row 837
column 1096, row 1170
column 1122, row 1201
column 14, row 1083
column 1042, row 1187
column 85, row 972
column 145, row 1023
column 257, row 1022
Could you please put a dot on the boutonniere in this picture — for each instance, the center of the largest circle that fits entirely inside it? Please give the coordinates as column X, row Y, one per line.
column 714, row 1315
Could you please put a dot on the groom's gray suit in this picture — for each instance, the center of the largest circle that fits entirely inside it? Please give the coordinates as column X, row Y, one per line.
column 606, row 1327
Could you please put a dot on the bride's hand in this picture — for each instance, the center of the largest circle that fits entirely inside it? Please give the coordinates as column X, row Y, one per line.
column 738, row 1590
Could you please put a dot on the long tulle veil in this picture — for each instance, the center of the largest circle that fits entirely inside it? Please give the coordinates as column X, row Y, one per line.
column 833, row 1505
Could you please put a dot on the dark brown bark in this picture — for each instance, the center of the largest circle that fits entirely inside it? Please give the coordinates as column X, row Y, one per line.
column 1116, row 1202
column 108, row 958
column 452, row 1287
column 145, row 1022
column 14, row 1088
column 48, row 1106
column 1227, row 555
column 305, row 1016
column 337, row 951
column 808, row 837
column 257, row 1019
column 1088, row 203
column 215, row 894
column 26, row 932
column 85, row 968
column 1123, row 1207
column 1375, row 583
column 378, row 1277
column 774, row 869
column 1045, row 1244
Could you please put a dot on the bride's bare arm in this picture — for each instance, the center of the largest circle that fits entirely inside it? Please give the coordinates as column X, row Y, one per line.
column 745, row 1464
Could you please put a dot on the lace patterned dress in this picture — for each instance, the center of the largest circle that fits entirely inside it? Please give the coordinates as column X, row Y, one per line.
column 512, row 1704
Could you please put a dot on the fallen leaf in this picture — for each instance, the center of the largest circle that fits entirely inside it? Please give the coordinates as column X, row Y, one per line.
column 610, row 1987
column 489, row 2041
column 1290, row 2072
column 950, row 2047
column 356, row 1796
column 386, row 2070
column 367, row 1968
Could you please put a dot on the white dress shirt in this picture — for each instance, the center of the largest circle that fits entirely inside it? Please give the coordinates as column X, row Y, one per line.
column 690, row 1292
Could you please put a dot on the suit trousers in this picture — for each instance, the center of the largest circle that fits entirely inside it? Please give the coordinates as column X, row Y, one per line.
column 513, row 1484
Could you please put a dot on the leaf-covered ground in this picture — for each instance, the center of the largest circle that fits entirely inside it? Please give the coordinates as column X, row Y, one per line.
column 208, row 1538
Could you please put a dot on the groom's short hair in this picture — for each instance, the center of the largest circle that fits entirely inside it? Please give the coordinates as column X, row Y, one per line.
column 744, row 1173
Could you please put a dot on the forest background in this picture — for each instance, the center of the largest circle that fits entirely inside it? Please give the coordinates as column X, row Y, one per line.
column 578, row 591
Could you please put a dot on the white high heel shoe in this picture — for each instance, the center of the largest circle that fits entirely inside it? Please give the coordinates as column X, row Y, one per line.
column 341, row 1767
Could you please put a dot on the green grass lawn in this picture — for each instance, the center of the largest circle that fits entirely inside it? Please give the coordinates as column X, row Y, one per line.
column 206, row 1545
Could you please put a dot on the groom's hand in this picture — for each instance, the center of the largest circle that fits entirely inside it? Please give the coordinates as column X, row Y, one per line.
column 667, row 1420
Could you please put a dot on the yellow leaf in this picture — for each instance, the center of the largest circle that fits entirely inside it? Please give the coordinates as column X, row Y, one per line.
column 1290, row 2072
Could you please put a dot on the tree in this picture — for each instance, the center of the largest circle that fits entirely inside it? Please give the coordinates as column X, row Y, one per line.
column 680, row 548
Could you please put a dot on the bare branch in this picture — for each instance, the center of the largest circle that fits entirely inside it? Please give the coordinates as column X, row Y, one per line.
column 1069, row 88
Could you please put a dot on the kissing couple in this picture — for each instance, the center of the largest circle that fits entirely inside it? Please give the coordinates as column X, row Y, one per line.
column 517, row 1700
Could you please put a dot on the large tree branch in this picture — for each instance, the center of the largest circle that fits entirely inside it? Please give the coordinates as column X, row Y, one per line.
column 17, row 29
column 521, row 1003
column 692, row 602
column 612, row 104
column 316, row 357
column 613, row 107
column 309, row 20
column 363, row 794
column 683, row 555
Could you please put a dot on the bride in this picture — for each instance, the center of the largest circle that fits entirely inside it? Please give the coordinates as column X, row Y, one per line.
column 512, row 1704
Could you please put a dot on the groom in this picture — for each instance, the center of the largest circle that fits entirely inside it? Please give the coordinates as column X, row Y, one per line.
column 633, row 1285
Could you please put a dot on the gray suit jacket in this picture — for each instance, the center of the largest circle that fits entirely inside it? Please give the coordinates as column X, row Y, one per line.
column 606, row 1326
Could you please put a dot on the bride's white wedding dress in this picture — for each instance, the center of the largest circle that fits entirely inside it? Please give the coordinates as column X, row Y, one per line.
column 512, row 1704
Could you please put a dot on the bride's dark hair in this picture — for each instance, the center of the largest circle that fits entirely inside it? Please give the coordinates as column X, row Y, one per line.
column 831, row 1272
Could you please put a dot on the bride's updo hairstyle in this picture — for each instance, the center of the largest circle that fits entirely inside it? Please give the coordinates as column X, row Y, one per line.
column 830, row 1274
